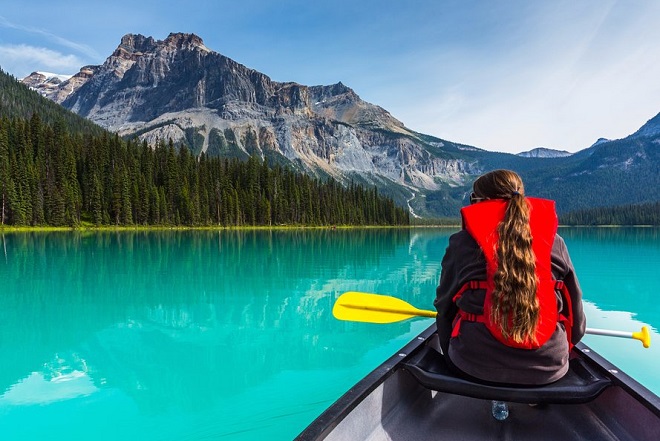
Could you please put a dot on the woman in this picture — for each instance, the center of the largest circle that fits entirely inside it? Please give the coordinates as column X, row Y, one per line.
column 509, row 303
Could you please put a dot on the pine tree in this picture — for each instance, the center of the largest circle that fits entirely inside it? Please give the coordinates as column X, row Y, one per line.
column 50, row 175
column 5, row 178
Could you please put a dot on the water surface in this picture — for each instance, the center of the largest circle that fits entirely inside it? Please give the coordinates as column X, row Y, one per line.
column 229, row 335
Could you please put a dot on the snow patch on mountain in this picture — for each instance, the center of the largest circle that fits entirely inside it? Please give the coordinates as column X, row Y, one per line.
column 542, row 152
column 46, row 83
column 51, row 76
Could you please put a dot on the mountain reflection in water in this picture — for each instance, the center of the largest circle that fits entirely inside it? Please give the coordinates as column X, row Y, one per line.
column 161, row 315
column 210, row 334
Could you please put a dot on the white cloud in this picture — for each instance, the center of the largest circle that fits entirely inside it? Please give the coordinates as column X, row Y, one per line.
column 20, row 60
column 82, row 48
column 563, row 83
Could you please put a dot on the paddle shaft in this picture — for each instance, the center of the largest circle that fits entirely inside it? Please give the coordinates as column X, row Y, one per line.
column 608, row 332
column 404, row 311
column 433, row 314
column 643, row 335
column 387, row 305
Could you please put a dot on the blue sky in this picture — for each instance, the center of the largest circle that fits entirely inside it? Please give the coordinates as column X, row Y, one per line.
column 500, row 75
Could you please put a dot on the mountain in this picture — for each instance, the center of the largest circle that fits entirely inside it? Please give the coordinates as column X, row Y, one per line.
column 542, row 152
column 57, row 87
column 600, row 141
column 17, row 101
column 60, row 169
column 45, row 83
column 616, row 172
column 649, row 130
column 180, row 89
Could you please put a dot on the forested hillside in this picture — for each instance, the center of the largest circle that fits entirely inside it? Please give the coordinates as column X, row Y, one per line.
column 58, row 169
column 641, row 214
column 17, row 101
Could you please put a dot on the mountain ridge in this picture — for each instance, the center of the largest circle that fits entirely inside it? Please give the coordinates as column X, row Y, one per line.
column 180, row 89
column 543, row 152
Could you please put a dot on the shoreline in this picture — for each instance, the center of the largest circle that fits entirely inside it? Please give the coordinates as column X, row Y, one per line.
column 106, row 228
column 27, row 229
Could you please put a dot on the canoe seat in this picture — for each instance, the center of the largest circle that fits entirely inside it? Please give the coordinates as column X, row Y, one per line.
column 580, row 385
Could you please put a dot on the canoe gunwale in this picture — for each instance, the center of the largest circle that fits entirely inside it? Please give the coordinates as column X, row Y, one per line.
column 325, row 424
column 619, row 378
column 334, row 414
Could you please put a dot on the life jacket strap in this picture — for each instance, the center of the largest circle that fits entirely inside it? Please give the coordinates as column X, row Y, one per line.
column 471, row 284
column 462, row 315
column 565, row 319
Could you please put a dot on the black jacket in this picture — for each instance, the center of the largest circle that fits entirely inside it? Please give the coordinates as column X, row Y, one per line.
column 475, row 351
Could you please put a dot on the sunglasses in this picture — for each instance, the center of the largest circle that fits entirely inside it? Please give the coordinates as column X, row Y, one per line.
column 474, row 198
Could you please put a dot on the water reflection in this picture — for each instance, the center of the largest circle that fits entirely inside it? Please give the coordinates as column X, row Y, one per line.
column 627, row 235
column 174, row 328
column 62, row 378
column 617, row 268
column 173, row 315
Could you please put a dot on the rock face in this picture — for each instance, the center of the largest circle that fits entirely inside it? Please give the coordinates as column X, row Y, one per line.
column 178, row 88
column 58, row 87
column 542, row 152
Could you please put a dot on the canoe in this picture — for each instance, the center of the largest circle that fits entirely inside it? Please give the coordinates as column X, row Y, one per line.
column 413, row 396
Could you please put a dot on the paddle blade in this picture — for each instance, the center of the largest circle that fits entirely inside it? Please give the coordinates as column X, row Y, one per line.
column 644, row 336
column 375, row 308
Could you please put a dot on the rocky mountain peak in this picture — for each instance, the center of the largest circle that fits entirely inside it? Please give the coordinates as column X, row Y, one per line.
column 37, row 80
column 136, row 43
column 133, row 46
column 180, row 40
column 178, row 89
column 600, row 141
column 333, row 91
column 56, row 86
column 339, row 88
column 650, row 129
column 542, row 152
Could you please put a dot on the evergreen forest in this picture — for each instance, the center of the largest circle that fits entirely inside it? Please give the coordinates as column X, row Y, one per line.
column 637, row 214
column 59, row 169
column 52, row 176
column 18, row 101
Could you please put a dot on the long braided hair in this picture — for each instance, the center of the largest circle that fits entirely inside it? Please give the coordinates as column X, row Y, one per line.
column 515, row 306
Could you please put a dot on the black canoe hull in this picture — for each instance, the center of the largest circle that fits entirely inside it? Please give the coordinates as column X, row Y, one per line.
column 391, row 404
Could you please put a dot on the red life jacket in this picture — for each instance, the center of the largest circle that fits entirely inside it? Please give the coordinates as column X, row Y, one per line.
column 481, row 221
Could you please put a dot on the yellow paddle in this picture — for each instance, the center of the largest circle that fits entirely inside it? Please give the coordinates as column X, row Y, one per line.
column 375, row 308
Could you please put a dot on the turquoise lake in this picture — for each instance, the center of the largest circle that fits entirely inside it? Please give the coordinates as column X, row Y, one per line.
column 229, row 335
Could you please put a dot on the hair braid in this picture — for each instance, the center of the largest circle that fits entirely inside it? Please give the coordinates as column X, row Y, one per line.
column 515, row 306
